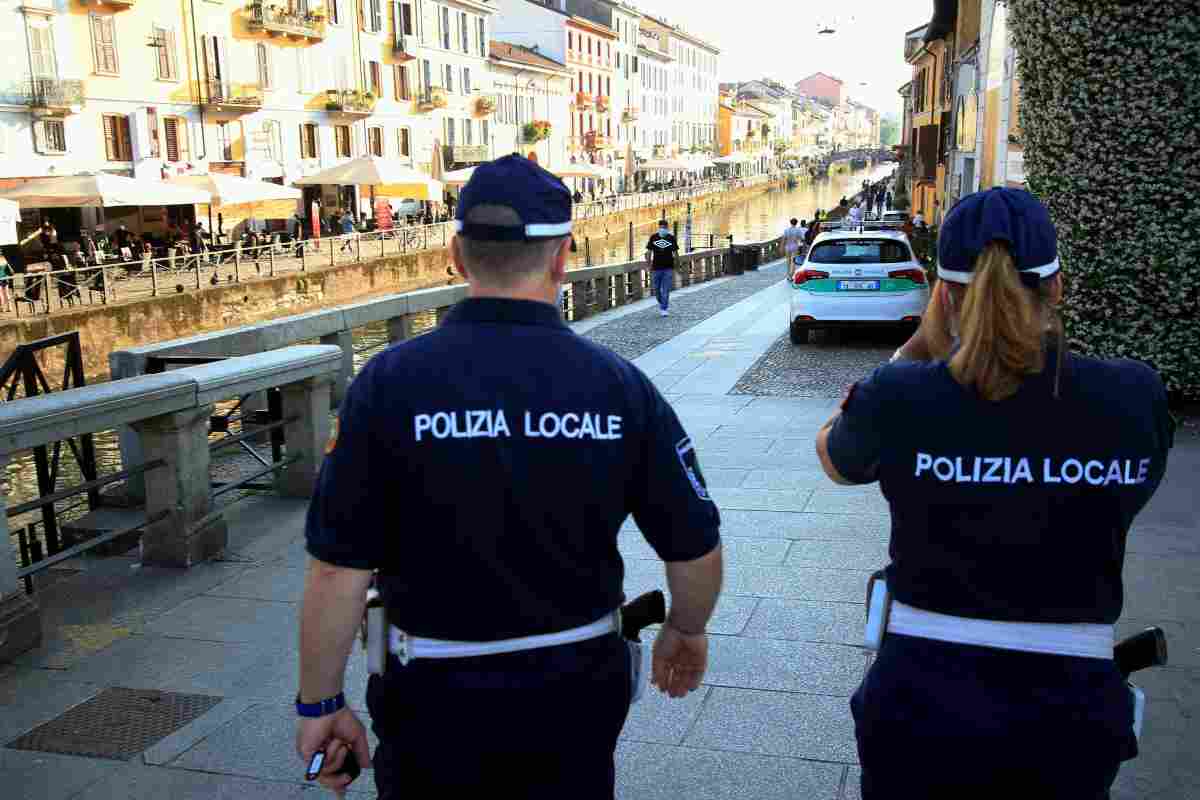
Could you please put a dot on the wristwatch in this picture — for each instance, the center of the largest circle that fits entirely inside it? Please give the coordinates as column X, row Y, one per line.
column 323, row 708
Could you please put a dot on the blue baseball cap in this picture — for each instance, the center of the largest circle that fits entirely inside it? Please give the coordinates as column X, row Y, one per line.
column 1012, row 216
column 539, row 198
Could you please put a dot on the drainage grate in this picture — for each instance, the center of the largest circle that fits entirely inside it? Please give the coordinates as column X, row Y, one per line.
column 117, row 723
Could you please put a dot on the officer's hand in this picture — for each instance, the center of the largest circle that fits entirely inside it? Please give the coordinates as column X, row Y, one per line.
column 336, row 733
column 680, row 660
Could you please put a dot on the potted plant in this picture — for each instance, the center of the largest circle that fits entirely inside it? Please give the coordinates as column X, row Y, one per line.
column 536, row 131
column 485, row 105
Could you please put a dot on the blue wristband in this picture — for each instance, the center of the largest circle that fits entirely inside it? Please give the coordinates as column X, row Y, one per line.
column 330, row 705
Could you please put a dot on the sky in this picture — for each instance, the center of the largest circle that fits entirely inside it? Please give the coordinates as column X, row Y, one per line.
column 778, row 39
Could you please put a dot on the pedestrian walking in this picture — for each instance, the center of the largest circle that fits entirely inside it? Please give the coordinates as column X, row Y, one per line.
column 520, row 686
column 879, row 204
column 347, row 224
column 994, row 675
column 793, row 236
column 6, row 279
column 660, row 254
column 887, row 199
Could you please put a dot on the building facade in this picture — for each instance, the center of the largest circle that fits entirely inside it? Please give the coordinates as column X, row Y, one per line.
column 530, row 89
column 653, row 69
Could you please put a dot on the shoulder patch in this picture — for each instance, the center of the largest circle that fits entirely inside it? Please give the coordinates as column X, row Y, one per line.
column 333, row 437
column 691, row 467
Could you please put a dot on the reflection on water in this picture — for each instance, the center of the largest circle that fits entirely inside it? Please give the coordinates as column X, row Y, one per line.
column 754, row 219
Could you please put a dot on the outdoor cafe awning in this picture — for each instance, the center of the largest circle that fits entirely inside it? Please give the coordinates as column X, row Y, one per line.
column 230, row 190
column 669, row 164
column 458, row 177
column 102, row 191
column 732, row 158
column 584, row 169
column 389, row 178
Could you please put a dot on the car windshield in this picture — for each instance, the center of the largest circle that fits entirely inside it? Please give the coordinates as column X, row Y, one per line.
column 859, row 251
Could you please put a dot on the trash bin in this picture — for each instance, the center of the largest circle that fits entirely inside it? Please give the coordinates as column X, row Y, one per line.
column 752, row 256
column 736, row 260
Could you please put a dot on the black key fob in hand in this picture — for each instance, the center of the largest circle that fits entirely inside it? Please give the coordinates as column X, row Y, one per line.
column 350, row 766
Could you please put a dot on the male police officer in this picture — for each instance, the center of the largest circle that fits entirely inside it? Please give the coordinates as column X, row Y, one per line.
column 484, row 470
column 660, row 254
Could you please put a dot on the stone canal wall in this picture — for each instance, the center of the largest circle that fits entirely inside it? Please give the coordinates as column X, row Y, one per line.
column 129, row 323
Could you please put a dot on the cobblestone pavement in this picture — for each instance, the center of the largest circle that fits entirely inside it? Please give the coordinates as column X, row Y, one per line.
column 823, row 369
column 633, row 334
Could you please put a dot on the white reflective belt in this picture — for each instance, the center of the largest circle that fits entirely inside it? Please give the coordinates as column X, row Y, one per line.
column 1065, row 639
column 406, row 647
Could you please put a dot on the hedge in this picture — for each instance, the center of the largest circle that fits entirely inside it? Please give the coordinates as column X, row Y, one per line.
column 1110, row 123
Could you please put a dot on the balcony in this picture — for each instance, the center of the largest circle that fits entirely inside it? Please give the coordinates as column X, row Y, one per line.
column 232, row 97
column 432, row 98
column 466, row 153
column 349, row 102
column 630, row 114
column 584, row 101
column 265, row 17
column 116, row 4
column 602, row 104
column 403, row 50
column 55, row 97
column 595, row 141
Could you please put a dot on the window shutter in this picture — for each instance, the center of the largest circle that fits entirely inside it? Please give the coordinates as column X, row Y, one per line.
column 171, row 134
column 362, row 15
column 303, row 143
column 41, row 44
column 483, row 132
column 39, row 136
column 110, row 137
column 301, row 70
column 264, row 65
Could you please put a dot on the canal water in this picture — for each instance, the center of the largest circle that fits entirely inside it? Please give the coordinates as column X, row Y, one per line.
column 758, row 218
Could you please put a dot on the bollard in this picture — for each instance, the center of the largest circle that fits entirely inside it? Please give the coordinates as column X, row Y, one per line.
column 308, row 401
column 153, row 278
column 344, row 340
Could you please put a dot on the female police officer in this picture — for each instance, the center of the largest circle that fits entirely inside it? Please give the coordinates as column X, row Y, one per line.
column 1010, row 505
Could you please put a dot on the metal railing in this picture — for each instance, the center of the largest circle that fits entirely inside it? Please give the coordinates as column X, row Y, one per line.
column 181, row 269
column 54, row 93
column 349, row 101
column 226, row 93
column 266, row 16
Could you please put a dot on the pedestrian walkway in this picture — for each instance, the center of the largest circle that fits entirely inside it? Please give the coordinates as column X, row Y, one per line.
column 772, row 719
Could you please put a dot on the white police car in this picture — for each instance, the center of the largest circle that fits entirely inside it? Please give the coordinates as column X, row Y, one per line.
column 855, row 277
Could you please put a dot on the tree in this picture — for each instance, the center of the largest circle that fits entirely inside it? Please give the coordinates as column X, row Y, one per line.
column 1109, row 103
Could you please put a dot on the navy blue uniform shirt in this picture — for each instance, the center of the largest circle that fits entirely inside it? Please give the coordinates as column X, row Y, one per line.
column 1016, row 510
column 485, row 469
column 664, row 247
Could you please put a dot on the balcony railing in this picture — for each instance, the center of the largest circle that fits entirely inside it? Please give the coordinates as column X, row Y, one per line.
column 466, row 153
column 226, row 96
column 55, row 94
column 602, row 104
column 432, row 98
column 584, row 101
column 349, row 101
column 596, row 141
column 630, row 114
column 263, row 16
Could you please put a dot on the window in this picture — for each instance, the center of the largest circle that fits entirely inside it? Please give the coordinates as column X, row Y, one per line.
column 449, row 78
column 375, row 141
column 216, row 62
column 468, row 132
column 50, row 136
column 608, row 87
column 402, row 89
column 428, row 73
column 570, row 40
column 483, row 43
column 104, row 44
column 375, row 74
column 270, row 140
column 445, row 28
column 309, row 141
column 405, row 141
column 117, row 145
column 372, row 15
column 464, row 32
column 406, row 18
column 263, row 56
column 589, row 46
column 41, row 51
column 224, row 142
column 152, row 127
column 466, row 85
column 301, row 70
column 164, row 42
column 483, row 131
column 335, row 11
column 341, row 138
column 449, row 132
column 176, row 137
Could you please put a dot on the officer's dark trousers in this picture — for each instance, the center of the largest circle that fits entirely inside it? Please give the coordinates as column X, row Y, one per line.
column 532, row 725
column 943, row 720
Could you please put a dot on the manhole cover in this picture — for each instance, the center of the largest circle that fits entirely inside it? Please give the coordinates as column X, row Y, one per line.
column 117, row 723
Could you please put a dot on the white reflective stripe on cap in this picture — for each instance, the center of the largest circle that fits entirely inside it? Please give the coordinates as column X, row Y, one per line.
column 532, row 231
column 958, row 276
column 548, row 229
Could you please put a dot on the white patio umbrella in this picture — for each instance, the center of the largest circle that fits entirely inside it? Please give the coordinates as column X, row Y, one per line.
column 102, row 191
column 584, row 169
column 230, row 190
column 458, row 177
column 665, row 164
column 387, row 178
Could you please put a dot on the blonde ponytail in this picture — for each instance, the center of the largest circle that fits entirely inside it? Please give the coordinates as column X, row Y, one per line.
column 1002, row 325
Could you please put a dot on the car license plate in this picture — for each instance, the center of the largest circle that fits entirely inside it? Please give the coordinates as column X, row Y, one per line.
column 858, row 286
